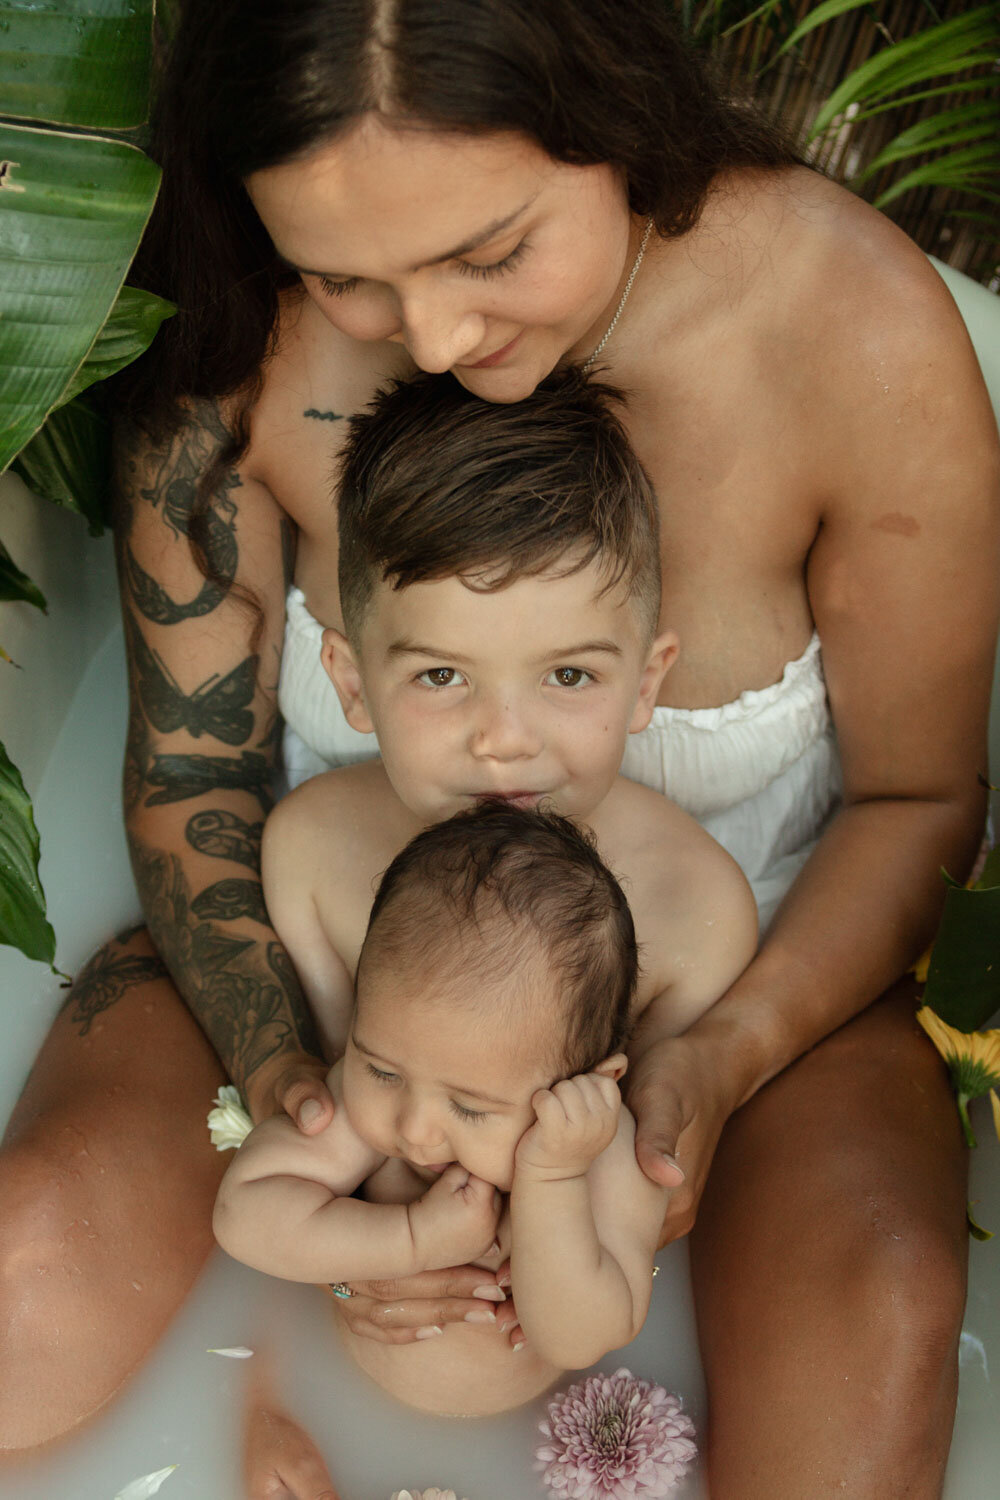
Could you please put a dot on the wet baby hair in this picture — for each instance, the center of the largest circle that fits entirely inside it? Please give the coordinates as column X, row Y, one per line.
column 487, row 900
column 437, row 483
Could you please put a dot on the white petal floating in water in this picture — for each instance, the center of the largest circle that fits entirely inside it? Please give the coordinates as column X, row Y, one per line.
column 141, row 1489
column 238, row 1351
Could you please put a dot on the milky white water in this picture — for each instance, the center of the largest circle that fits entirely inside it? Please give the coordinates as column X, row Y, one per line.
column 184, row 1406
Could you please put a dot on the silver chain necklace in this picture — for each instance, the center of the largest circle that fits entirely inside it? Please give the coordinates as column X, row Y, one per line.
column 628, row 287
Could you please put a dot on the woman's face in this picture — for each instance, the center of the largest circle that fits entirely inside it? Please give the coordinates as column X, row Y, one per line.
column 480, row 254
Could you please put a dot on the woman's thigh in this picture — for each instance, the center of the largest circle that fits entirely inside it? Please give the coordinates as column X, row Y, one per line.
column 107, row 1178
column 829, row 1264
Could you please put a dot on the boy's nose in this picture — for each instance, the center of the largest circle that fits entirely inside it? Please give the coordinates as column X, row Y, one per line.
column 504, row 731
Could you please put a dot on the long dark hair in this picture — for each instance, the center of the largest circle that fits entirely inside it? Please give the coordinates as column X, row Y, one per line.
column 253, row 83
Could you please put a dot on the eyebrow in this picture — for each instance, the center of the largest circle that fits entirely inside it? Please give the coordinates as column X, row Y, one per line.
column 403, row 647
column 474, row 242
column 455, row 1088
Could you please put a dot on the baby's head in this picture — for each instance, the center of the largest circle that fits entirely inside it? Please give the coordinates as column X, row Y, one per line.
column 500, row 957
column 500, row 582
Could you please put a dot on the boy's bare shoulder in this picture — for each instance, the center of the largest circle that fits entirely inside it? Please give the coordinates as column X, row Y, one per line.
column 351, row 807
column 694, row 912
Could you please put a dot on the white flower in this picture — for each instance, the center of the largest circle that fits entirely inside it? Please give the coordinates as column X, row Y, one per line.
column 228, row 1123
column 431, row 1494
column 142, row 1489
column 238, row 1351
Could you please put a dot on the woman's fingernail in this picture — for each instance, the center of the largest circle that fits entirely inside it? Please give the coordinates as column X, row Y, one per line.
column 480, row 1315
column 494, row 1248
column 504, row 1280
column 428, row 1333
column 489, row 1293
column 309, row 1112
column 518, row 1346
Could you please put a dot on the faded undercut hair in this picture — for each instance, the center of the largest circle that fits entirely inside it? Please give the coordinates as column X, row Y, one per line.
column 437, row 483
column 480, row 898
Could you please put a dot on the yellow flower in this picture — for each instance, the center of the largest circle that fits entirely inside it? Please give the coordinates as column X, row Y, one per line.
column 973, row 1060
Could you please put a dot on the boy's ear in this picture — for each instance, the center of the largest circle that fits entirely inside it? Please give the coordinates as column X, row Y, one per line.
column 662, row 655
column 613, row 1067
column 337, row 656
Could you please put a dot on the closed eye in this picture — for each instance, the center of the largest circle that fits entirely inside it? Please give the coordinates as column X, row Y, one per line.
column 568, row 677
column 441, row 677
column 472, row 1115
column 498, row 267
column 338, row 288
column 381, row 1076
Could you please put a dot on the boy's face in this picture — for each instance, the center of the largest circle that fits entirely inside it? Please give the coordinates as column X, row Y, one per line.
column 436, row 1082
column 526, row 693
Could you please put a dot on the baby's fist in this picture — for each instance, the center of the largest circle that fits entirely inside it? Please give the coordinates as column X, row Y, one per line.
column 456, row 1219
column 575, row 1121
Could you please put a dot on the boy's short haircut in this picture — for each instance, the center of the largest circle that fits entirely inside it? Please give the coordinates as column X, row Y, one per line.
column 437, row 483
column 474, row 899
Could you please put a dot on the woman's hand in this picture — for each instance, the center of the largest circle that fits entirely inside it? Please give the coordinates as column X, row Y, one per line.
column 280, row 1459
column 680, row 1103
column 418, row 1307
column 295, row 1084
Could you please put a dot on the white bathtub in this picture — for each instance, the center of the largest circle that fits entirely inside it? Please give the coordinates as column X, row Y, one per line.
column 62, row 718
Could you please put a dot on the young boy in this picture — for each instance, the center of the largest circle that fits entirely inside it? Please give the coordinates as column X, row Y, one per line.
column 499, row 577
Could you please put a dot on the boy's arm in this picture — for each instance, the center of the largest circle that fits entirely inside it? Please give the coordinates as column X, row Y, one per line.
column 584, row 1227
column 296, row 857
column 697, row 926
column 284, row 1207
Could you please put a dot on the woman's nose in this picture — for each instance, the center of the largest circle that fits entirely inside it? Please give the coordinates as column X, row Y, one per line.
column 437, row 335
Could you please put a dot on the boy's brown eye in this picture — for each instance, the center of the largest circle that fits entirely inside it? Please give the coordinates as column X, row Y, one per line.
column 440, row 676
column 569, row 676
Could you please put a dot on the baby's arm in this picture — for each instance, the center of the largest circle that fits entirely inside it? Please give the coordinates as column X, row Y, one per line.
column 584, row 1224
column 284, row 1207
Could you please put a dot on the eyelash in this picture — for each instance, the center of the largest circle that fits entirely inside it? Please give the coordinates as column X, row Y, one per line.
column 473, row 1116
column 574, row 686
column 465, row 268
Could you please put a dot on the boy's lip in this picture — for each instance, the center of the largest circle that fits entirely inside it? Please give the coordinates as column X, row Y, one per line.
column 518, row 799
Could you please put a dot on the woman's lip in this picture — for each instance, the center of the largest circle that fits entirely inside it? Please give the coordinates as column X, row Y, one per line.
column 494, row 358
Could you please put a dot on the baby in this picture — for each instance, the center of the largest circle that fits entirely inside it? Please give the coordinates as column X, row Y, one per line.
column 500, row 583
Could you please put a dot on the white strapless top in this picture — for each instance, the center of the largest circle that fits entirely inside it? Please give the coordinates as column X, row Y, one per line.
column 761, row 774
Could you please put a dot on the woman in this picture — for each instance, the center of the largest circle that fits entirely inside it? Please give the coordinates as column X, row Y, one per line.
column 357, row 190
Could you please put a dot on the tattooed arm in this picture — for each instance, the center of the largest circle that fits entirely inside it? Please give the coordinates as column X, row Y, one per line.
column 204, row 647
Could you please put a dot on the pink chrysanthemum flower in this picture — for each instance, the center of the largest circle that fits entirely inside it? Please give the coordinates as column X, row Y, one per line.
column 613, row 1437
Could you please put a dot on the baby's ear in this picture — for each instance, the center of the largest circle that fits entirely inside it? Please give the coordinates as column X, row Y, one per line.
column 613, row 1067
column 341, row 663
column 662, row 655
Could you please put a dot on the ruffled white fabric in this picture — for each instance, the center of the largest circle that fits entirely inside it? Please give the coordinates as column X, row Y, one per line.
column 317, row 736
column 761, row 774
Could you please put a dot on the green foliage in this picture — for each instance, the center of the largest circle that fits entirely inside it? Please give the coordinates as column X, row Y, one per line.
column 22, row 904
column 963, row 980
column 73, row 205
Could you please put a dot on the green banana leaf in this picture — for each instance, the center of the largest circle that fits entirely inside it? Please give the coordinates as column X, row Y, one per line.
column 70, row 219
column 15, row 585
column 76, row 62
column 69, row 459
column 970, row 170
column 963, row 980
column 73, row 205
column 22, row 904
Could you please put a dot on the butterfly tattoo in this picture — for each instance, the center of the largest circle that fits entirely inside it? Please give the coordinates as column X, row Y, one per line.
column 218, row 707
